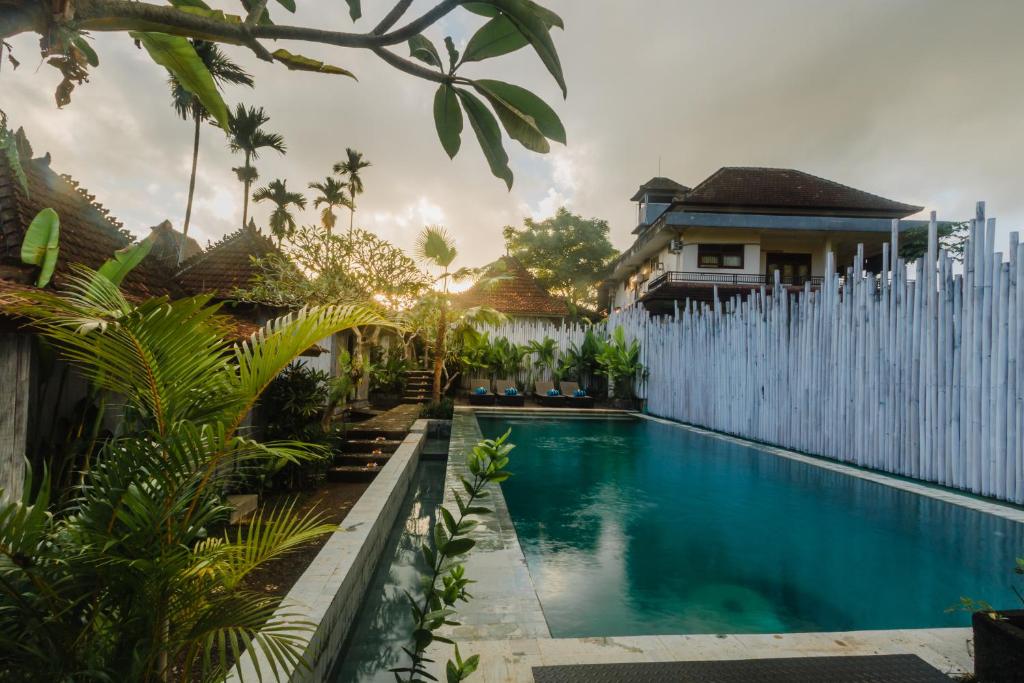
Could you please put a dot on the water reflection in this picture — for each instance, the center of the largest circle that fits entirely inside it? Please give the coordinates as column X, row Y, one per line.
column 644, row 528
column 384, row 621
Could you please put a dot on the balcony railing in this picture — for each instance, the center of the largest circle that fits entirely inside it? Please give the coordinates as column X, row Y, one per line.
column 675, row 277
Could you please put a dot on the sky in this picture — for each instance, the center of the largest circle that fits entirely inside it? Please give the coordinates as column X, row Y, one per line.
column 920, row 101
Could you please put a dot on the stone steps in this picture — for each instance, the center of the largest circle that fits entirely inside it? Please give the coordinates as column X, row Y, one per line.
column 376, row 445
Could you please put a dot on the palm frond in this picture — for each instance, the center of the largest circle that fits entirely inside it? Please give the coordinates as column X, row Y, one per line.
column 436, row 245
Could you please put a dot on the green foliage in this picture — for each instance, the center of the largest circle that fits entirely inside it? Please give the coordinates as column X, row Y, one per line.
column 12, row 156
column 476, row 354
column 125, row 260
column 282, row 222
column 387, row 370
column 508, row 357
column 438, row 410
column 301, row 63
column 134, row 575
column 446, row 584
column 41, row 245
column 488, row 135
column 331, row 195
column 619, row 361
column 294, row 402
column 543, row 352
column 448, row 119
column 568, row 254
column 952, row 238
column 178, row 56
column 579, row 362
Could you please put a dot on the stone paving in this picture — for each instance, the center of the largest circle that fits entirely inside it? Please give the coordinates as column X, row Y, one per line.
column 397, row 419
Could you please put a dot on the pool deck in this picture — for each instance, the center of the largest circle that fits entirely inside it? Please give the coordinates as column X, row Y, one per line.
column 504, row 622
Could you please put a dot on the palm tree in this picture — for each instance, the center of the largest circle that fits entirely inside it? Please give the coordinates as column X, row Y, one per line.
column 282, row 222
column 437, row 247
column 247, row 136
column 188, row 106
column 332, row 194
column 350, row 168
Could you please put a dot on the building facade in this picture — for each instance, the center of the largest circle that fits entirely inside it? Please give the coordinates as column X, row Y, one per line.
column 734, row 230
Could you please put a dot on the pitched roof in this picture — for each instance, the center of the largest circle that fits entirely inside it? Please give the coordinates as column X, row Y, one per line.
column 88, row 235
column 227, row 265
column 166, row 243
column 658, row 183
column 514, row 291
column 772, row 189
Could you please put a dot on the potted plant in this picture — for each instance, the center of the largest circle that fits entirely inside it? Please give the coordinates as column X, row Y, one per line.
column 999, row 641
column 619, row 361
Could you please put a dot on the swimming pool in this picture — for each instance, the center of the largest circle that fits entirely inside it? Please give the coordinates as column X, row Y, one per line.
column 634, row 527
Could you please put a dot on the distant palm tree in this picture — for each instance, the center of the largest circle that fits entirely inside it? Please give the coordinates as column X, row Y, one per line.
column 282, row 222
column 188, row 106
column 350, row 169
column 247, row 136
column 332, row 195
column 436, row 246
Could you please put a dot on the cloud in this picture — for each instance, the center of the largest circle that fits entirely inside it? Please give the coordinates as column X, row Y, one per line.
column 917, row 100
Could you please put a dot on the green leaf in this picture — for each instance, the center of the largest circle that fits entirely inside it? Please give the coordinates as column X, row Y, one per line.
column 535, row 22
column 519, row 126
column 481, row 8
column 42, row 244
column 177, row 55
column 355, row 9
column 453, row 54
column 488, row 135
column 125, row 260
column 497, row 37
column 422, row 49
column 448, row 119
column 449, row 522
column 182, row 4
column 302, row 63
column 288, row 5
column 10, row 143
column 458, row 546
column 525, row 101
column 90, row 54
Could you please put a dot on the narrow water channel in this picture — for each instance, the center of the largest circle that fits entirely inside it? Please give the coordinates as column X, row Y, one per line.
column 384, row 621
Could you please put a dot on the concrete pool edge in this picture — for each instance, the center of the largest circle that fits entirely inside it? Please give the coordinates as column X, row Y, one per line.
column 331, row 590
column 922, row 489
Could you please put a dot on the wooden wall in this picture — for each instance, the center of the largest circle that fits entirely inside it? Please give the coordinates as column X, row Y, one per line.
column 15, row 369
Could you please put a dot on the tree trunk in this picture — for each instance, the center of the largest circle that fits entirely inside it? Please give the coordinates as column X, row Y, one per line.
column 191, row 192
column 351, row 218
column 442, row 328
column 245, row 202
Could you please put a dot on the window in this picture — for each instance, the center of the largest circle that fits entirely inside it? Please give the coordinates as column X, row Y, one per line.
column 719, row 255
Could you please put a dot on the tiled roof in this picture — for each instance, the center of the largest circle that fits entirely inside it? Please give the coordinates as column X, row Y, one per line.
column 774, row 189
column 513, row 291
column 227, row 265
column 658, row 183
column 88, row 235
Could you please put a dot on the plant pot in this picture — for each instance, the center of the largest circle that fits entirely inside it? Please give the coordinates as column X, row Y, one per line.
column 625, row 403
column 999, row 646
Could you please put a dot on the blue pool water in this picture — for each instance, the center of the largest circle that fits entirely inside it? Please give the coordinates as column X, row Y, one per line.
column 635, row 527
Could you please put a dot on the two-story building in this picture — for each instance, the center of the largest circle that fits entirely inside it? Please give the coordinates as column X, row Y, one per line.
column 740, row 225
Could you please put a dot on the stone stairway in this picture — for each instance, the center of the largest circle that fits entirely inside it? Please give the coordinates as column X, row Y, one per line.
column 369, row 444
column 418, row 384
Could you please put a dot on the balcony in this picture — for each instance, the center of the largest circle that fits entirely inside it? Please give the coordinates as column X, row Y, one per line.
column 679, row 285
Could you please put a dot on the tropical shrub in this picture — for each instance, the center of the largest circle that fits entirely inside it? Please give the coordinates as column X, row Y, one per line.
column 508, row 357
column 134, row 578
column 438, row 410
column 579, row 362
column 387, row 370
column 619, row 361
column 293, row 406
column 477, row 354
column 543, row 352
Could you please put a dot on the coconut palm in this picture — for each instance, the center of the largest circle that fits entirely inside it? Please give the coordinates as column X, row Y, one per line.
column 131, row 580
column 188, row 106
column 350, row 168
column 282, row 222
column 247, row 136
column 332, row 195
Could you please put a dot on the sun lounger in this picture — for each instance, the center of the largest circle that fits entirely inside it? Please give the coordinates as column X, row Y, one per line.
column 546, row 395
column 503, row 395
column 575, row 398
column 481, row 398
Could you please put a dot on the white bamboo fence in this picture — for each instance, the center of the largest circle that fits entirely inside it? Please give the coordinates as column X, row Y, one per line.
column 523, row 331
column 919, row 376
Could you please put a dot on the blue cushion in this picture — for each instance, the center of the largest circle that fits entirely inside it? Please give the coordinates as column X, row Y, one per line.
column 579, row 393
column 554, row 392
column 480, row 391
column 511, row 391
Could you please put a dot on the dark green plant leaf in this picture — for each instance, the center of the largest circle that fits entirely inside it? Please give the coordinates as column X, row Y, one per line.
column 10, row 145
column 528, row 103
column 448, row 119
column 355, row 9
column 90, row 54
column 302, row 63
column 449, row 521
column 453, row 54
column 487, row 134
column 519, row 126
column 458, row 546
column 481, row 8
column 41, row 245
column 422, row 49
column 125, row 260
column 177, row 55
column 288, row 5
column 535, row 22
column 497, row 37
